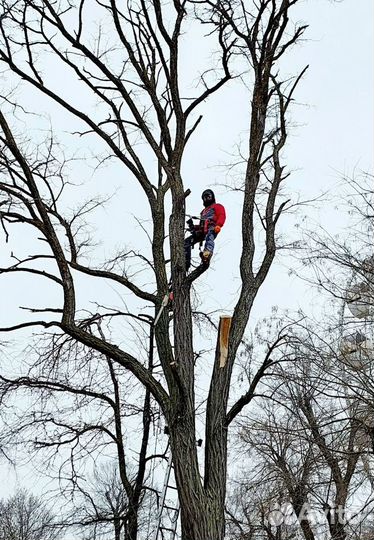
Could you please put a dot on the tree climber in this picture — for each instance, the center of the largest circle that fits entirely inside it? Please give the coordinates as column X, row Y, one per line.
column 212, row 219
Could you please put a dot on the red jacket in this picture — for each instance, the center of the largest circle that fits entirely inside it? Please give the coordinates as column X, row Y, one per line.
column 212, row 216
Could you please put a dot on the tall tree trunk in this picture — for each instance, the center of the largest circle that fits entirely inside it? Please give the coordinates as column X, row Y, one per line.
column 202, row 509
column 117, row 528
column 336, row 524
column 298, row 506
column 131, row 532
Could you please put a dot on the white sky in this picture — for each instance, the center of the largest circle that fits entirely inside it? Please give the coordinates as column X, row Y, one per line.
column 334, row 135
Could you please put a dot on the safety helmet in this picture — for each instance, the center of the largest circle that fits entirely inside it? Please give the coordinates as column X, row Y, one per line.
column 210, row 193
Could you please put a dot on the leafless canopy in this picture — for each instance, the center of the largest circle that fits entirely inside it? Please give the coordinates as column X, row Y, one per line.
column 131, row 67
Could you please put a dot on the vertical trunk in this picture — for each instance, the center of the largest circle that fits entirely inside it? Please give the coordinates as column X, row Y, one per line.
column 338, row 532
column 202, row 510
column 207, row 525
column 135, row 500
column 336, row 525
column 131, row 532
column 299, row 499
column 202, row 519
column 336, row 517
column 117, row 529
column 298, row 507
column 307, row 531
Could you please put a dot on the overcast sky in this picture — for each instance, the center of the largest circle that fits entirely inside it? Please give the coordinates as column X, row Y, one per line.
column 334, row 128
column 333, row 135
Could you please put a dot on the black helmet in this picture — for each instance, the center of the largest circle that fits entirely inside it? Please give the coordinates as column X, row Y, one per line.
column 211, row 198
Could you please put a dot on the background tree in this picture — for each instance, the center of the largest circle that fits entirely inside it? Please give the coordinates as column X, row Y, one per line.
column 81, row 405
column 26, row 517
column 312, row 436
column 307, row 443
column 102, row 507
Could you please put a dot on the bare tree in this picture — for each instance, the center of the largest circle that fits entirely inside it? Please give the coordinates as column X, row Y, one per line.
column 102, row 507
column 343, row 268
column 308, row 439
column 279, row 448
column 83, row 402
column 136, row 79
column 26, row 517
column 254, row 508
column 325, row 418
